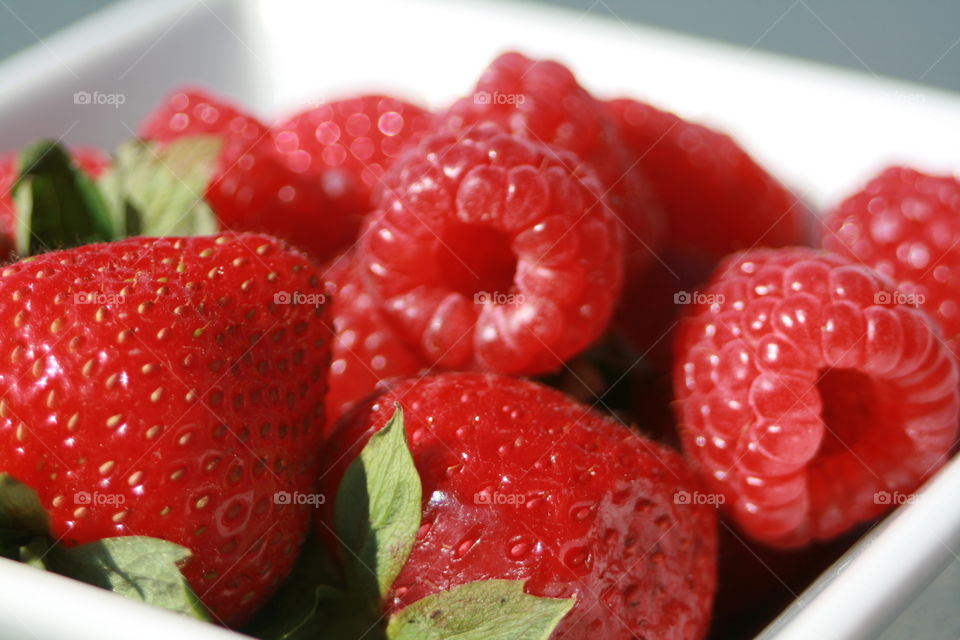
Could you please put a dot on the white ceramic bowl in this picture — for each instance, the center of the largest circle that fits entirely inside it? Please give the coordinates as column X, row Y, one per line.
column 821, row 129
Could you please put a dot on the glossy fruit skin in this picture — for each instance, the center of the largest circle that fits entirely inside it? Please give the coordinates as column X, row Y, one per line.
column 906, row 225
column 159, row 378
column 489, row 253
column 715, row 198
column 521, row 482
column 92, row 161
column 345, row 146
column 366, row 348
column 541, row 100
column 804, row 389
column 252, row 189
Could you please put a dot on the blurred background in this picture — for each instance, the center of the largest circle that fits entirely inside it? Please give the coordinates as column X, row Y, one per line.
column 916, row 41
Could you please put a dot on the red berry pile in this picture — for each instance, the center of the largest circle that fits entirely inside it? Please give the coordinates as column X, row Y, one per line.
column 282, row 370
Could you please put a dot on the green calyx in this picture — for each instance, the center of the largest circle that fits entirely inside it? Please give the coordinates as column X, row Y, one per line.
column 138, row 567
column 149, row 189
column 376, row 518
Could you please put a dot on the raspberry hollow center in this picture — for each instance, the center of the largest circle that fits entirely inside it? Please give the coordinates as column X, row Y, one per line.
column 854, row 408
column 475, row 259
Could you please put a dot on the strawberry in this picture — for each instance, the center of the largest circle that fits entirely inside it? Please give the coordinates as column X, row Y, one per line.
column 165, row 388
column 252, row 189
column 521, row 483
column 344, row 147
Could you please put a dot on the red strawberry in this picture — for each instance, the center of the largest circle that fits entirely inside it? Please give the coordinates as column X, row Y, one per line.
column 253, row 190
column 906, row 225
column 542, row 100
column 522, row 483
column 162, row 373
column 91, row 161
column 346, row 145
column 489, row 253
column 366, row 348
column 804, row 391
column 716, row 199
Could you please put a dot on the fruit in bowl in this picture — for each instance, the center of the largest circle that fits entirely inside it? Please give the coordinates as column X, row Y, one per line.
column 289, row 363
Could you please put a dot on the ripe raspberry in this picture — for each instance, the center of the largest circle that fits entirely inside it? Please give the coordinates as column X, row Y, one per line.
column 489, row 253
column 542, row 100
column 716, row 199
column 906, row 225
column 521, row 482
column 345, row 146
column 253, row 189
column 804, row 389
column 366, row 348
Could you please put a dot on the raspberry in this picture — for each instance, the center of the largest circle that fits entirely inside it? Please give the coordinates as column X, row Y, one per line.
column 366, row 348
column 253, row 190
column 345, row 146
column 906, row 225
column 521, row 482
column 542, row 100
column 716, row 199
column 804, row 389
column 489, row 253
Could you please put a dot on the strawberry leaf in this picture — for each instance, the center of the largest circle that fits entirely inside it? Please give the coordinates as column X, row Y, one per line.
column 484, row 610
column 155, row 190
column 22, row 516
column 137, row 567
column 57, row 205
column 378, row 509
